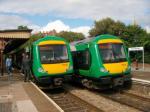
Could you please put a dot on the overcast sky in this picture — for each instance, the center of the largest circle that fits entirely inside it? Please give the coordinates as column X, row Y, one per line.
column 71, row 15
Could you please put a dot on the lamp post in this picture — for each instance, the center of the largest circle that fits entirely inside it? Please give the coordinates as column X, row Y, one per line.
column 2, row 62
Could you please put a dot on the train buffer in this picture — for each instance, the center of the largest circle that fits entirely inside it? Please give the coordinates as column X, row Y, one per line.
column 18, row 96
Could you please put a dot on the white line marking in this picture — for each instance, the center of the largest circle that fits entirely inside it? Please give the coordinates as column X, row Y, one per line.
column 26, row 106
column 141, row 80
column 47, row 97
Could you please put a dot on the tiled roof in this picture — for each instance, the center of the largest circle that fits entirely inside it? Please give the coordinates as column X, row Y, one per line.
column 15, row 34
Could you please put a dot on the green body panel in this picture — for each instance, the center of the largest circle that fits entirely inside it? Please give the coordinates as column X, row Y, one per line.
column 96, row 61
column 36, row 64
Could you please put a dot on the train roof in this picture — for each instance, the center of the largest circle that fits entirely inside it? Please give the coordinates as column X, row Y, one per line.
column 31, row 41
column 49, row 38
column 95, row 39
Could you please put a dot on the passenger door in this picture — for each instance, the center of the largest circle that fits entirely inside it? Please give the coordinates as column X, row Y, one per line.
column 84, row 62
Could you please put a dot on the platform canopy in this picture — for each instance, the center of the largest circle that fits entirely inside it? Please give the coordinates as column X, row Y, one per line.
column 13, row 38
column 15, row 34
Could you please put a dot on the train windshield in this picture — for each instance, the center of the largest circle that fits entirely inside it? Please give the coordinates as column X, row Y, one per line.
column 53, row 54
column 112, row 52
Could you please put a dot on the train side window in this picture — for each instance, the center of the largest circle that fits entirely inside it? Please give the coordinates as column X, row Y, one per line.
column 83, row 59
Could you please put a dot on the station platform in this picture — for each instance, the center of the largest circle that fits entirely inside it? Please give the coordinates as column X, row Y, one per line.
column 140, row 67
column 144, row 75
column 140, row 73
column 19, row 96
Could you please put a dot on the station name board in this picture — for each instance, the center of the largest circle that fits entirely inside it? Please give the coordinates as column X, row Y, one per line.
column 136, row 49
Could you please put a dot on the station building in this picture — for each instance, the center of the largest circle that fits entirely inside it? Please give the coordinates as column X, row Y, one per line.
column 9, row 40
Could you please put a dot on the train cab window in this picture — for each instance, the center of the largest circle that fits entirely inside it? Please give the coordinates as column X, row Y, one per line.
column 53, row 54
column 83, row 59
column 112, row 52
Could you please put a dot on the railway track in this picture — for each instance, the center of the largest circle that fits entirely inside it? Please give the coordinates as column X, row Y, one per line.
column 129, row 99
column 136, row 96
column 72, row 103
column 69, row 102
column 141, row 87
column 137, row 101
column 124, row 97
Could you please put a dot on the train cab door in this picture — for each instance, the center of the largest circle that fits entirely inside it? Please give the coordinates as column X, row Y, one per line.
column 84, row 62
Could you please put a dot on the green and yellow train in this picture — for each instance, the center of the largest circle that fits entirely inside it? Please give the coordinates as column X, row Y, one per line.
column 102, row 62
column 99, row 62
column 51, row 60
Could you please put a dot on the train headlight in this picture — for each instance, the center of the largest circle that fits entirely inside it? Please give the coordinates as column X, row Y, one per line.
column 103, row 70
column 41, row 70
column 128, row 68
column 70, row 68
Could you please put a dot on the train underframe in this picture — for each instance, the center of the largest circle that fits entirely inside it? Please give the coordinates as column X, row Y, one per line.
column 50, row 81
column 104, row 82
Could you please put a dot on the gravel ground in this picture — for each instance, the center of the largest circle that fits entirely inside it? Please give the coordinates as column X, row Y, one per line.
column 104, row 104
column 141, row 90
column 139, row 94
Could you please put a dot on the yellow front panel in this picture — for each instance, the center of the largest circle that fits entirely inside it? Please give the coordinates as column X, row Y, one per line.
column 109, row 41
column 51, row 42
column 56, row 68
column 116, row 67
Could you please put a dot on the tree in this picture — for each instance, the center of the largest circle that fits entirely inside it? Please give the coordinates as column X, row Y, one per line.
column 35, row 37
column 102, row 27
column 133, row 35
column 21, row 27
column 117, row 28
column 71, row 36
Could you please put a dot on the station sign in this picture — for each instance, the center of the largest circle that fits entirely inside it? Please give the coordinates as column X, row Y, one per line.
column 136, row 49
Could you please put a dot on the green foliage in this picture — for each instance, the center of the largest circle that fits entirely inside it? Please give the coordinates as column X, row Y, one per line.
column 71, row 36
column 21, row 27
column 101, row 27
column 146, row 57
column 35, row 37
column 133, row 35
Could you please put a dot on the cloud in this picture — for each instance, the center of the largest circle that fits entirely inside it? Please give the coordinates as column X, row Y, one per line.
column 82, row 29
column 58, row 25
column 91, row 9
column 12, row 21
column 35, row 28
column 125, row 10
column 147, row 28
